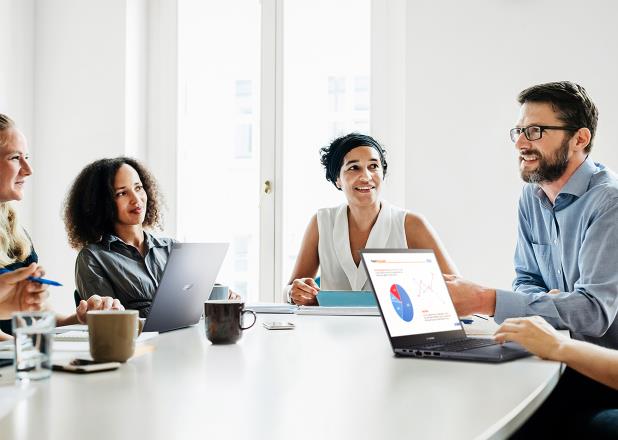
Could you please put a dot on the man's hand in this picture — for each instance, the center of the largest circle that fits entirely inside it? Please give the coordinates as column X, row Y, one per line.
column 95, row 302
column 470, row 298
column 19, row 294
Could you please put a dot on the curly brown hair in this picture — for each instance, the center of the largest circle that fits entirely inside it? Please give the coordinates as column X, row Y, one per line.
column 90, row 207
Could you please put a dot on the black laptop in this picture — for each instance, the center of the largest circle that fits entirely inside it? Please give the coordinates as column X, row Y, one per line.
column 418, row 312
column 186, row 284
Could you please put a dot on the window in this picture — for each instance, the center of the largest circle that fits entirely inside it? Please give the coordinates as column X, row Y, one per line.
column 321, row 50
column 218, row 152
column 325, row 95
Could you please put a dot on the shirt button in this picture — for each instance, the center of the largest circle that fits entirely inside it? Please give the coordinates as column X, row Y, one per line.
column 556, row 241
column 559, row 272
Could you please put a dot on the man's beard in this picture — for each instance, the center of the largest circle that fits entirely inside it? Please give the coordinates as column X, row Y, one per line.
column 548, row 170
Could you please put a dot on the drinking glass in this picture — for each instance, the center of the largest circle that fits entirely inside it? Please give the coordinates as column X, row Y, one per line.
column 33, row 333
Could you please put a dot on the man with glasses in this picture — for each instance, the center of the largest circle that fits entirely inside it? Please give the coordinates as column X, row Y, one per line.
column 566, row 260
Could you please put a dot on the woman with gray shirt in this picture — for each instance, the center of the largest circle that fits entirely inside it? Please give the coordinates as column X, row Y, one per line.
column 110, row 208
column 107, row 211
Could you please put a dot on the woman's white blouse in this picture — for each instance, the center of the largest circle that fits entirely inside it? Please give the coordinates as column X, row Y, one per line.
column 337, row 268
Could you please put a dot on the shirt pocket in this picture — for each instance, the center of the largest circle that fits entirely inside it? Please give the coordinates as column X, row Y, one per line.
column 542, row 254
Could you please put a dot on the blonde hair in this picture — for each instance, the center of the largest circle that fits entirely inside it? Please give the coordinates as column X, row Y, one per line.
column 15, row 244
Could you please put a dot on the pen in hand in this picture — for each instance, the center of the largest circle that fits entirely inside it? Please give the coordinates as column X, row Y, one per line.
column 35, row 279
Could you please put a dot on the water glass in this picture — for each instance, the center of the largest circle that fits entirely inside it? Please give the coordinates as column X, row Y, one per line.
column 34, row 334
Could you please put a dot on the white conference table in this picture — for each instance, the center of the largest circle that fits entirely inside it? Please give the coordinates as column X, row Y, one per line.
column 331, row 377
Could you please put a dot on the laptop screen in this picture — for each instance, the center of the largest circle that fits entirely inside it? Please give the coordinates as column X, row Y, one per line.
column 412, row 294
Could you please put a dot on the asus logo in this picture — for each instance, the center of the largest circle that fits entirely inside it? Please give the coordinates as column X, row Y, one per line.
column 187, row 287
column 430, row 338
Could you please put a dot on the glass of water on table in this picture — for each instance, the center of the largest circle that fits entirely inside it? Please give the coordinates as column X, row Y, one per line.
column 34, row 334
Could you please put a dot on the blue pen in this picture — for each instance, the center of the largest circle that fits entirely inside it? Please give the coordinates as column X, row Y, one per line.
column 35, row 279
column 466, row 321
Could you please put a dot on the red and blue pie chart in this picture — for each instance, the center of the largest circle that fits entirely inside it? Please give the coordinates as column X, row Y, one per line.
column 401, row 303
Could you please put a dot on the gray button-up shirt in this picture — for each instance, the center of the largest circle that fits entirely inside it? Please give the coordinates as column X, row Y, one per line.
column 114, row 268
column 571, row 246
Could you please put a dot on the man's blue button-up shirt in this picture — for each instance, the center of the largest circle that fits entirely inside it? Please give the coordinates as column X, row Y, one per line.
column 571, row 246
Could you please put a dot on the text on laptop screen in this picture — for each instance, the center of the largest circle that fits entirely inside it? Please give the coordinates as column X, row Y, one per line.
column 412, row 293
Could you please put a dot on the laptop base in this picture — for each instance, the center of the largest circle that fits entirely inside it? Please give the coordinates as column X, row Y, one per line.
column 491, row 353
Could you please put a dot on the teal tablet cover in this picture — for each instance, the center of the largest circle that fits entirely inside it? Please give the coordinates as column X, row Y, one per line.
column 346, row 298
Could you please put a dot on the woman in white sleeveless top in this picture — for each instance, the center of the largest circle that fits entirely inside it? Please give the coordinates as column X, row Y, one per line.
column 355, row 164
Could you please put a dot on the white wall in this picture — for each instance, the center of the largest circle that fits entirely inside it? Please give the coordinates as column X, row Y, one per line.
column 83, row 110
column 76, row 75
column 466, row 63
column 16, row 75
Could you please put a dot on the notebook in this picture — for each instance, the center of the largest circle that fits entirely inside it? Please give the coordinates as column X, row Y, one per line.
column 346, row 298
column 337, row 311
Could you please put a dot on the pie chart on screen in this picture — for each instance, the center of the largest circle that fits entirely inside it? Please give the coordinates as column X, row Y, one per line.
column 401, row 303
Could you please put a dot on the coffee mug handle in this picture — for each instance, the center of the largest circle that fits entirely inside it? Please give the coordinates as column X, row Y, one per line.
column 254, row 319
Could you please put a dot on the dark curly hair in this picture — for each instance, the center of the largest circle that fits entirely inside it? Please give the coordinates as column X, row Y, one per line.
column 332, row 156
column 569, row 100
column 90, row 207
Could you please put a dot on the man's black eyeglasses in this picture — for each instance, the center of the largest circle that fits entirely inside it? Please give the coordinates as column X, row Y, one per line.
column 534, row 132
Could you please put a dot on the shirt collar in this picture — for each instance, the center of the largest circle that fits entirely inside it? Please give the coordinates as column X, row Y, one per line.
column 150, row 240
column 108, row 239
column 579, row 182
column 576, row 186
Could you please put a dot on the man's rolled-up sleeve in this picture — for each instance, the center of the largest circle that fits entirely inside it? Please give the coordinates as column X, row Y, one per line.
column 591, row 307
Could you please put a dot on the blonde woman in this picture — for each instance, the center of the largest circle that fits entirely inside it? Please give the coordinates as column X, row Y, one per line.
column 16, row 250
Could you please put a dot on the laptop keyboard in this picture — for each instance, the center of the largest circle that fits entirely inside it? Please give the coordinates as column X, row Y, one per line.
column 463, row 344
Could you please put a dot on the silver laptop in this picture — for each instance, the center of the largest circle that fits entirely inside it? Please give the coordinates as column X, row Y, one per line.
column 418, row 312
column 186, row 284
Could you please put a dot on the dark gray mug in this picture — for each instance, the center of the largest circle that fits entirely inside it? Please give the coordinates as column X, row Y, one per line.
column 223, row 320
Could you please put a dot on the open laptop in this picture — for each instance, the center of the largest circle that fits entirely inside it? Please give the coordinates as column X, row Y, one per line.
column 418, row 312
column 186, row 284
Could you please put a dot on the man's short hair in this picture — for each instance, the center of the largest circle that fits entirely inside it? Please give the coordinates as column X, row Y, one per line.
column 569, row 100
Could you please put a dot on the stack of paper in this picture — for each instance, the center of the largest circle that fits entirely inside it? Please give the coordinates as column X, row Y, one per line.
column 272, row 308
column 312, row 310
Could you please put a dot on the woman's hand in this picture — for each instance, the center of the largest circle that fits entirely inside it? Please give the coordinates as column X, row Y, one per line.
column 233, row 295
column 17, row 293
column 303, row 292
column 535, row 334
column 95, row 302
